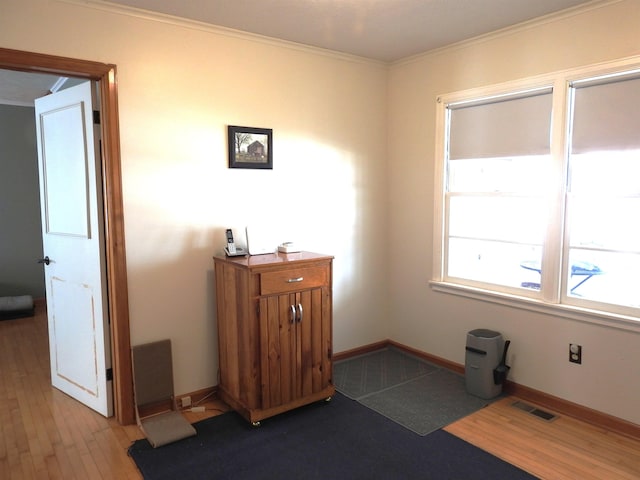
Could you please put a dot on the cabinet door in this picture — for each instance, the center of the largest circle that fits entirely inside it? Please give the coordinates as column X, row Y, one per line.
column 277, row 349
column 314, row 341
column 295, row 338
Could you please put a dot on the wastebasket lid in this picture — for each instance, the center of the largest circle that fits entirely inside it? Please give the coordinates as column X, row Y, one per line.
column 484, row 333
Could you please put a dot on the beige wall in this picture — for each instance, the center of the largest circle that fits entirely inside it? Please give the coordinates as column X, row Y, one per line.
column 179, row 86
column 609, row 378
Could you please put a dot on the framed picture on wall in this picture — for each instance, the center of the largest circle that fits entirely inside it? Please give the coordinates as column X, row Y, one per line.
column 250, row 147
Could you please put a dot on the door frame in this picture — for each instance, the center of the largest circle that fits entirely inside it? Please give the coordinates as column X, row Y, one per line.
column 118, row 298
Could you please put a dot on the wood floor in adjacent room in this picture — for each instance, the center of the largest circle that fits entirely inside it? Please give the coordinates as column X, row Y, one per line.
column 45, row 434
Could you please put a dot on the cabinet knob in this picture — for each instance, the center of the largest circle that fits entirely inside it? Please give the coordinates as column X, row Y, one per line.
column 295, row 280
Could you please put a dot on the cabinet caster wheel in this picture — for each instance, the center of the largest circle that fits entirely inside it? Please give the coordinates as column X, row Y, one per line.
column 255, row 424
column 328, row 399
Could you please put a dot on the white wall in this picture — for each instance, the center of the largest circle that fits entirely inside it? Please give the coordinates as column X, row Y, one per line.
column 609, row 378
column 179, row 87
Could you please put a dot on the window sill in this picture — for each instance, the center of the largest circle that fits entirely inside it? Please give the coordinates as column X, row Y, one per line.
column 606, row 319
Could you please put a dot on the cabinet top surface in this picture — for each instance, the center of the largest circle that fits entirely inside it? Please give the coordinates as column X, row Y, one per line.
column 276, row 258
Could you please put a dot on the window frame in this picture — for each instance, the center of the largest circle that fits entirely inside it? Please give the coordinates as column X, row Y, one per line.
column 550, row 299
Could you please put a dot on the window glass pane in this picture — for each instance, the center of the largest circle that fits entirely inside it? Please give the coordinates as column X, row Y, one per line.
column 506, row 218
column 492, row 262
column 514, row 174
column 604, row 233
column 616, row 172
column 606, row 277
column 605, row 223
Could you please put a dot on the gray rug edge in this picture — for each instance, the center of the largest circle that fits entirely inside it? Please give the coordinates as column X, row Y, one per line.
column 471, row 404
column 389, row 390
column 380, row 351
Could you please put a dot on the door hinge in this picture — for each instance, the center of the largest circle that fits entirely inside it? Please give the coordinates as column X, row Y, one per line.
column 109, row 374
column 96, row 117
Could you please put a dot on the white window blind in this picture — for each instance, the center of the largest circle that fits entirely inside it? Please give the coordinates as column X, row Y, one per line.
column 507, row 126
column 606, row 115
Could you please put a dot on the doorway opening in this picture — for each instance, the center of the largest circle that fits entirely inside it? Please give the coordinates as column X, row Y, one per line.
column 118, row 302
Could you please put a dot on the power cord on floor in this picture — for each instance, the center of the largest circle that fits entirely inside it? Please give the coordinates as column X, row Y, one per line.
column 196, row 408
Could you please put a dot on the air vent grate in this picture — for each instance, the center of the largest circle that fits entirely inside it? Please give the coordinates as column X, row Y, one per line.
column 534, row 411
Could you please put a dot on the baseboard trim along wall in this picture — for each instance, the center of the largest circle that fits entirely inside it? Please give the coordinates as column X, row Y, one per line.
column 537, row 397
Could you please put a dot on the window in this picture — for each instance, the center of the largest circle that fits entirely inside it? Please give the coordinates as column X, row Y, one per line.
column 498, row 156
column 603, row 191
column 539, row 191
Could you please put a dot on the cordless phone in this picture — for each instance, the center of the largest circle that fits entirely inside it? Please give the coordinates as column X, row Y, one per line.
column 231, row 250
column 231, row 247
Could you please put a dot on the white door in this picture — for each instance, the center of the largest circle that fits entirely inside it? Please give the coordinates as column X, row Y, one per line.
column 73, row 243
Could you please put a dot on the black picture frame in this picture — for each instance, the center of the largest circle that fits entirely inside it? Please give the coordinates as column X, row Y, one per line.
column 250, row 147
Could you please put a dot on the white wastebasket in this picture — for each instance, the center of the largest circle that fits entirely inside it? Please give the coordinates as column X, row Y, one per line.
column 482, row 356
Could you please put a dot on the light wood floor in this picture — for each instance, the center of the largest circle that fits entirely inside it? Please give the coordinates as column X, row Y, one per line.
column 563, row 448
column 46, row 435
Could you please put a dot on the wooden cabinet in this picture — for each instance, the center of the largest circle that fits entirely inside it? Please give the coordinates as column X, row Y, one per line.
column 274, row 331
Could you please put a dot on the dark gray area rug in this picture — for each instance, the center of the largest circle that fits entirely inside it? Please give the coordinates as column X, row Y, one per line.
column 340, row 439
column 408, row 390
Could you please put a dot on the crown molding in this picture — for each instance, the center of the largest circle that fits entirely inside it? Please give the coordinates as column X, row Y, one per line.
column 511, row 30
column 216, row 30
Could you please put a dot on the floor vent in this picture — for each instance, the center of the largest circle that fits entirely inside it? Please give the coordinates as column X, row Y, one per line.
column 534, row 411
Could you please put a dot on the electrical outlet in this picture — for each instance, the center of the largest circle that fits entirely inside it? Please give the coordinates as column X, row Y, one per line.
column 575, row 353
column 185, row 401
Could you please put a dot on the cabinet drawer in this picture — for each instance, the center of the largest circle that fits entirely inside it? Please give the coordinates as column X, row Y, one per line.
column 293, row 279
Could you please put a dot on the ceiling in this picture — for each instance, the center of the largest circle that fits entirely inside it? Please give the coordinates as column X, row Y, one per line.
column 19, row 88
column 385, row 30
column 381, row 30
